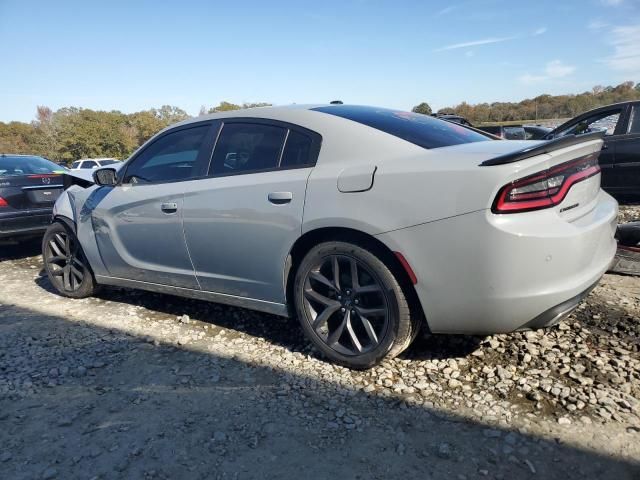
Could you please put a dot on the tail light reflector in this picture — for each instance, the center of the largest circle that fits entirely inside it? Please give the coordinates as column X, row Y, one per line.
column 3, row 203
column 545, row 189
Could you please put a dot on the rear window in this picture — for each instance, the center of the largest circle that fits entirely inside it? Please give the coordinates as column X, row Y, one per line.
column 107, row 162
column 421, row 130
column 14, row 165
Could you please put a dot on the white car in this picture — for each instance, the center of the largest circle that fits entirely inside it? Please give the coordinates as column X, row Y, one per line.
column 367, row 224
column 91, row 163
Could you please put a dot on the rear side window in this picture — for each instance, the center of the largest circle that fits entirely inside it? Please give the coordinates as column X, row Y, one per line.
column 170, row 158
column 75, row 164
column 421, row 130
column 107, row 162
column 89, row 164
column 297, row 150
column 247, row 147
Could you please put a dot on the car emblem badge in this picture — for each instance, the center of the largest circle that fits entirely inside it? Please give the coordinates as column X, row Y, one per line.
column 46, row 180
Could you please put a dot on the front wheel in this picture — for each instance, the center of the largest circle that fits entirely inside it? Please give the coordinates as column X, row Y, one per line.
column 65, row 262
column 351, row 306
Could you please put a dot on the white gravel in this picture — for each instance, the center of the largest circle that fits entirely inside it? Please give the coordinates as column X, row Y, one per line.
column 139, row 385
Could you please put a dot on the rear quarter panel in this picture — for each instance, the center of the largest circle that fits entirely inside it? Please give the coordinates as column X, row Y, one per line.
column 413, row 186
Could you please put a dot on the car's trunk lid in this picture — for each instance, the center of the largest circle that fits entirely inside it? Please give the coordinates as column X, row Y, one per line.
column 30, row 191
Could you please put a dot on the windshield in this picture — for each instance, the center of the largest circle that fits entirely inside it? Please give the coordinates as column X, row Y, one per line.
column 17, row 165
column 422, row 130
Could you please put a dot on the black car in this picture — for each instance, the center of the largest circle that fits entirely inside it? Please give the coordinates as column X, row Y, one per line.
column 29, row 186
column 453, row 118
column 620, row 155
column 508, row 132
column 535, row 132
column 516, row 132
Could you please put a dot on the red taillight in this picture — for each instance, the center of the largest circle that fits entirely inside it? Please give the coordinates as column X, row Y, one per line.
column 3, row 203
column 43, row 175
column 545, row 189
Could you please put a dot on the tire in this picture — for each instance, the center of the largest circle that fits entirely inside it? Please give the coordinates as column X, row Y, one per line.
column 65, row 263
column 344, row 319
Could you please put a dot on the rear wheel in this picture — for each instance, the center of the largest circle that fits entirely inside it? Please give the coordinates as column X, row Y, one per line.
column 351, row 306
column 65, row 262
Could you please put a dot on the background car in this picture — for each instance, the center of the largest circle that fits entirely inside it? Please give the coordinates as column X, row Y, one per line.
column 535, row 132
column 29, row 186
column 453, row 118
column 352, row 218
column 91, row 163
column 516, row 132
column 620, row 156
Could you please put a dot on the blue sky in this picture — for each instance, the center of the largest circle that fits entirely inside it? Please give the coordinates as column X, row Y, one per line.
column 129, row 56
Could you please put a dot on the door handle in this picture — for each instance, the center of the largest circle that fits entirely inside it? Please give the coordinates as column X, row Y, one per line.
column 169, row 207
column 280, row 198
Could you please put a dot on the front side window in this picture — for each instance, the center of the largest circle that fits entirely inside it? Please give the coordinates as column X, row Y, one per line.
column 247, row 147
column 170, row 158
column 634, row 121
column 422, row 130
column 89, row 164
column 606, row 121
column 75, row 165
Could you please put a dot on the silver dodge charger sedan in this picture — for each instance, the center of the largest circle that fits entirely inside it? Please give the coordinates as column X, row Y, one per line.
column 365, row 223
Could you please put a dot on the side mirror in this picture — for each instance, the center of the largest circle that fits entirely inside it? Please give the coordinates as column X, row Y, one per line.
column 105, row 177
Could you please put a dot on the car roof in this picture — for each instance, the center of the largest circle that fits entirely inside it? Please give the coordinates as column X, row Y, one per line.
column 337, row 131
column 270, row 112
column 607, row 107
column 20, row 155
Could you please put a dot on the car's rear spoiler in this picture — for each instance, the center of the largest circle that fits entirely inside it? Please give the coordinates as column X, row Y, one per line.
column 545, row 147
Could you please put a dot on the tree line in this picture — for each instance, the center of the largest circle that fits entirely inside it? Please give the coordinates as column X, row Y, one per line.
column 72, row 133
column 542, row 106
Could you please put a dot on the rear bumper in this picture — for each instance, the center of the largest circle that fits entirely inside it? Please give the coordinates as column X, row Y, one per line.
column 481, row 273
column 559, row 312
column 24, row 223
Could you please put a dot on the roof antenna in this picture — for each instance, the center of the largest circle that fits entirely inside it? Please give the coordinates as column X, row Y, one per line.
column 336, row 102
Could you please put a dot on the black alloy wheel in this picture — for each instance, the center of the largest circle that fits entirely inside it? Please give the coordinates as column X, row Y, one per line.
column 65, row 262
column 351, row 306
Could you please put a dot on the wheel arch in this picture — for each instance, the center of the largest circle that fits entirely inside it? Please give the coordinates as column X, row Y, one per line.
column 314, row 237
column 67, row 221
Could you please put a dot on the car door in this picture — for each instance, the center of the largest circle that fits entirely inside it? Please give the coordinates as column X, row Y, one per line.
column 626, row 171
column 608, row 120
column 241, row 221
column 138, row 223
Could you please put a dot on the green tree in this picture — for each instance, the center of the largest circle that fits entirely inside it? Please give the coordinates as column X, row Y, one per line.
column 224, row 107
column 422, row 108
column 227, row 106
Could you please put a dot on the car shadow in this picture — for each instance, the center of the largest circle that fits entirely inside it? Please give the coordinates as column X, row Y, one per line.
column 285, row 332
column 22, row 248
column 79, row 400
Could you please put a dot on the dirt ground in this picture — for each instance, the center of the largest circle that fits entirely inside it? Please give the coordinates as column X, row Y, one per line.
column 139, row 385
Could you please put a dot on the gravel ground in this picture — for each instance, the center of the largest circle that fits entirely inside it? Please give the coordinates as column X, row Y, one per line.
column 140, row 385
